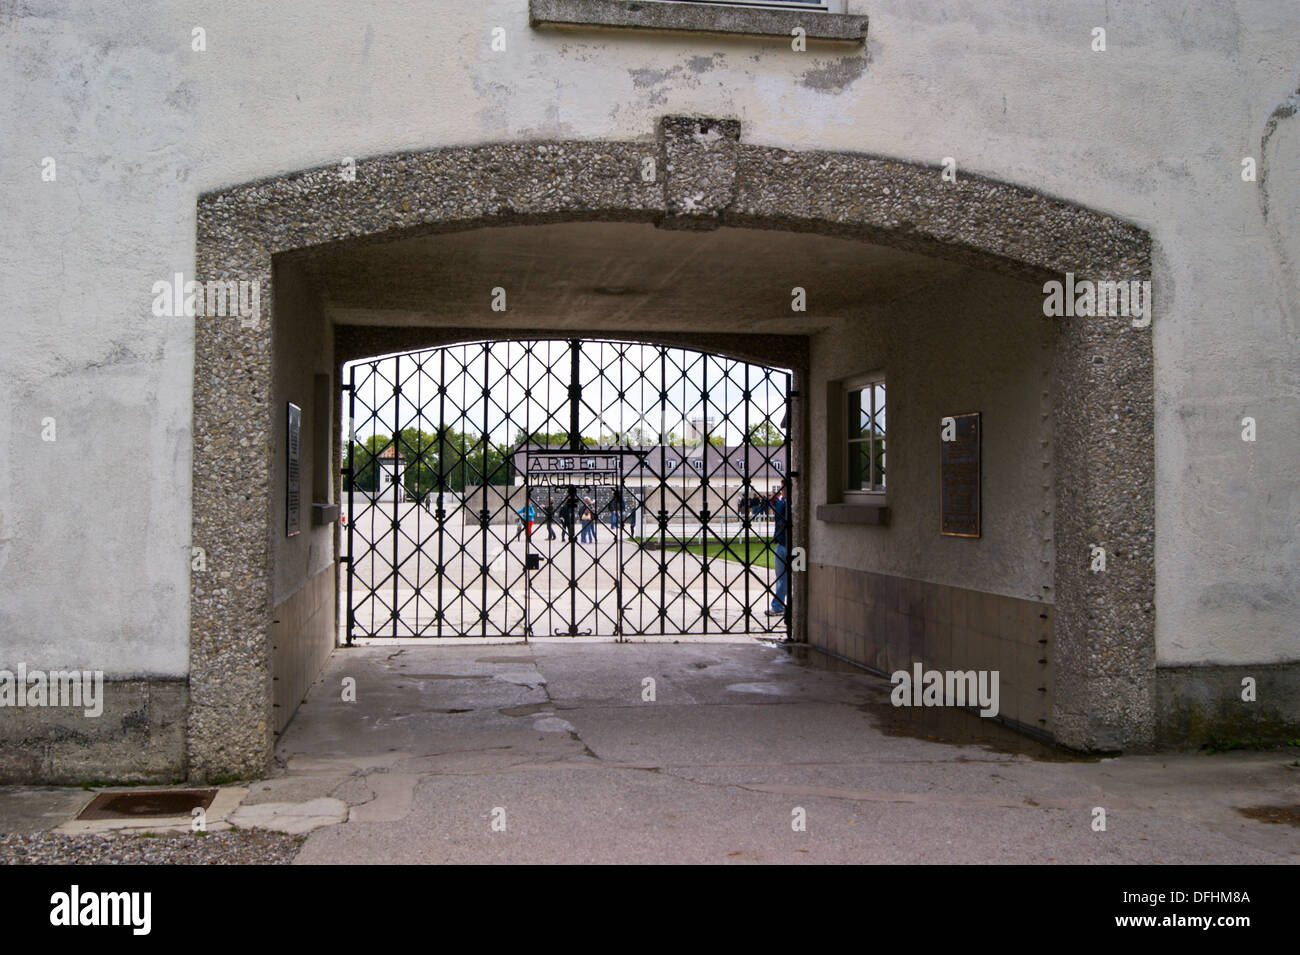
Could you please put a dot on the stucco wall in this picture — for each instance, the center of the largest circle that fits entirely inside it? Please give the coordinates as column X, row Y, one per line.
column 971, row 342
column 1152, row 130
column 302, row 347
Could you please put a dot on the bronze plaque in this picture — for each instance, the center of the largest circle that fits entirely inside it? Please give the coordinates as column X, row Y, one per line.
column 959, row 475
column 293, row 475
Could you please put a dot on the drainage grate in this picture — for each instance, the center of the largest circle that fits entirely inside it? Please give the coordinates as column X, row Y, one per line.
column 134, row 805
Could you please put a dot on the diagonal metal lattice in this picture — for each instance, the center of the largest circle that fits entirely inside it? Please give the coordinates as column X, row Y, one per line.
column 520, row 488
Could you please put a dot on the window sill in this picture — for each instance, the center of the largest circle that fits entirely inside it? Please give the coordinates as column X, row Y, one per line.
column 322, row 514
column 853, row 514
column 696, row 18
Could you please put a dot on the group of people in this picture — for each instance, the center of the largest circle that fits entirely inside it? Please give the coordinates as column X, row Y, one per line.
column 573, row 511
column 585, row 510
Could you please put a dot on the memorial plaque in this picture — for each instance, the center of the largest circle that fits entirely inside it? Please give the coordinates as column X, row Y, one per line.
column 293, row 475
column 959, row 475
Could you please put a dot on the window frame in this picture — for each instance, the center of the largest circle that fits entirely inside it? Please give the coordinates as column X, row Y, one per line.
column 876, row 494
column 826, row 20
column 809, row 6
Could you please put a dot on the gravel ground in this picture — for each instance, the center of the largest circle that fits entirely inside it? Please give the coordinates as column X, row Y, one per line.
column 234, row 847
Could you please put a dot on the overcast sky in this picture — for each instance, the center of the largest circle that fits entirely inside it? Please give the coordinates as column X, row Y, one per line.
column 530, row 390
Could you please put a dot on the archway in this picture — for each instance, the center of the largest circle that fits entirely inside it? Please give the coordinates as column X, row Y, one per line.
column 701, row 177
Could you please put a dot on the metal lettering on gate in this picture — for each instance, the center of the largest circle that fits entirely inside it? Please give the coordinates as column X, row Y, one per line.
column 579, row 491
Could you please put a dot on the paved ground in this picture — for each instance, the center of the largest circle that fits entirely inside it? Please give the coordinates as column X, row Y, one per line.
column 740, row 736
column 597, row 587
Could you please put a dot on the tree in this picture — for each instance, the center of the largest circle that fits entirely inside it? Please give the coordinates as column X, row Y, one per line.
column 460, row 459
column 764, row 434
column 549, row 439
column 419, row 451
column 716, row 440
column 491, row 463
column 365, row 470
column 638, row 437
column 473, row 460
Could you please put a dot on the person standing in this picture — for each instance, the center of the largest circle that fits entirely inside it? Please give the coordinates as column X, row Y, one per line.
column 566, row 514
column 526, row 515
column 548, row 516
column 615, row 512
column 781, row 547
column 588, row 522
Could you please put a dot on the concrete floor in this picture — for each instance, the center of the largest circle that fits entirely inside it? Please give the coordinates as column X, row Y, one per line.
column 576, row 583
column 740, row 735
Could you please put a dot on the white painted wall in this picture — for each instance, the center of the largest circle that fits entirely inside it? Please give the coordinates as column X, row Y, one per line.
column 302, row 347
column 94, row 528
column 962, row 342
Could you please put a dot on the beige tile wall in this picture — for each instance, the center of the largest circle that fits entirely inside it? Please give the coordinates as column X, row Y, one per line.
column 889, row 623
column 302, row 636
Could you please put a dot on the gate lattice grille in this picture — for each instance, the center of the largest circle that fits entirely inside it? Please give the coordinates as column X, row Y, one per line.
column 683, row 537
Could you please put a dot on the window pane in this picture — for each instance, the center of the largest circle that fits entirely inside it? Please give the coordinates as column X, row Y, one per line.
column 859, row 417
column 859, row 466
column 865, row 445
column 853, row 419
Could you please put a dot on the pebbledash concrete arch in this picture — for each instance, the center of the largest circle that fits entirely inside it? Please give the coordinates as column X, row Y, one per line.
column 695, row 174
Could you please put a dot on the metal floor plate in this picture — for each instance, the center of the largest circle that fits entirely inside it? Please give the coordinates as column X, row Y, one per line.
column 136, row 805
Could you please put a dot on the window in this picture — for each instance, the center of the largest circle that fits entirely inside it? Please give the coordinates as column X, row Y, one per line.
column 821, row 19
column 821, row 6
column 864, row 455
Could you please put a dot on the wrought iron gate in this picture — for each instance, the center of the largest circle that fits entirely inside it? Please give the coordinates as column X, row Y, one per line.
column 564, row 487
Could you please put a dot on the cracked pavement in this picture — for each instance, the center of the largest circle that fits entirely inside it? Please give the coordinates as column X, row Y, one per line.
column 555, row 740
